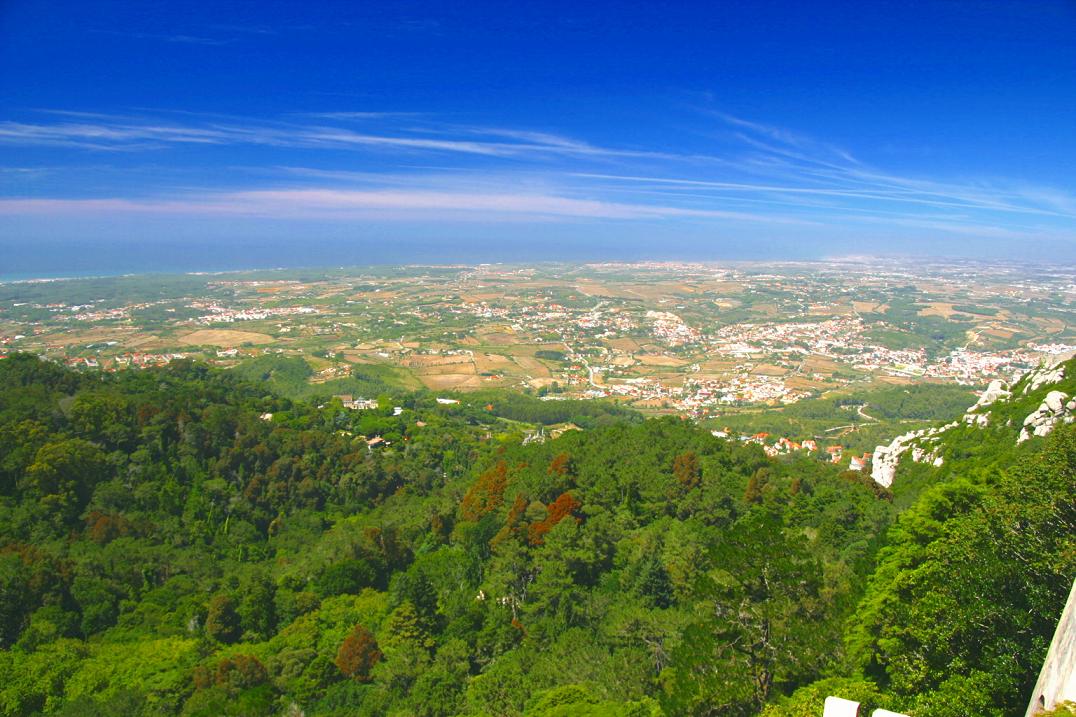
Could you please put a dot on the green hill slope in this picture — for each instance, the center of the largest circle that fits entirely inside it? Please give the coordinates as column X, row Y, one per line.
column 180, row 541
column 959, row 610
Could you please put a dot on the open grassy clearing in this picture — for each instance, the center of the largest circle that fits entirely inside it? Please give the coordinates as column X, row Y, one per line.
column 531, row 366
column 452, row 382
column 224, row 338
column 660, row 360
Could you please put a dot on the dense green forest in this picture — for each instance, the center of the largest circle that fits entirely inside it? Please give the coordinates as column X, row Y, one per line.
column 289, row 376
column 186, row 541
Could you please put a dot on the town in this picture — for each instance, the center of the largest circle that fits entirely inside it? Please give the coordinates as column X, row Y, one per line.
column 706, row 342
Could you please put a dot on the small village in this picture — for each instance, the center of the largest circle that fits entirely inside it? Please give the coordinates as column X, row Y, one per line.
column 694, row 339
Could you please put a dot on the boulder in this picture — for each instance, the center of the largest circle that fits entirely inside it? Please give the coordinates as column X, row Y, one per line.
column 1055, row 401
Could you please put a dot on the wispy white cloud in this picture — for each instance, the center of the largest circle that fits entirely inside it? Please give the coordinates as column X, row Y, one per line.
column 459, row 172
column 566, row 146
column 385, row 204
column 955, row 197
column 800, row 169
column 125, row 133
column 345, row 138
column 357, row 115
column 472, row 207
column 180, row 38
column 245, row 29
column 105, row 136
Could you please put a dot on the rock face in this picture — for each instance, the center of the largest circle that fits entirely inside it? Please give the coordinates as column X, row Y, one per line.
column 1052, row 411
column 997, row 390
column 1042, row 376
column 886, row 458
column 1055, row 401
column 1057, row 407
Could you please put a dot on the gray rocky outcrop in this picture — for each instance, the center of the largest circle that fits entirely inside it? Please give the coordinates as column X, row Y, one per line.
column 1044, row 375
column 1054, row 409
column 886, row 458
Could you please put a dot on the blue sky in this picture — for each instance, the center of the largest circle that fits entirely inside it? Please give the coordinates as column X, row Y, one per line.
column 540, row 130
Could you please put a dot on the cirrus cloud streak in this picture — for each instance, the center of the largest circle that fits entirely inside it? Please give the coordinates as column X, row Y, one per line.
column 398, row 204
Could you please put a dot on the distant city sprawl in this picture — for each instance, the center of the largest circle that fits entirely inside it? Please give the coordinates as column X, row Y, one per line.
column 693, row 339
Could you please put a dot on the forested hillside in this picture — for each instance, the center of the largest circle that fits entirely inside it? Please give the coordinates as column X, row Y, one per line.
column 182, row 541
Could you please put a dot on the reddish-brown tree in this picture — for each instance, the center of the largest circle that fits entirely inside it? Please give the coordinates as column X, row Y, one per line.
column 241, row 672
column 487, row 493
column 238, row 671
column 358, row 654
column 687, row 470
column 753, row 493
column 513, row 524
column 561, row 465
column 566, row 504
column 222, row 621
column 106, row 528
